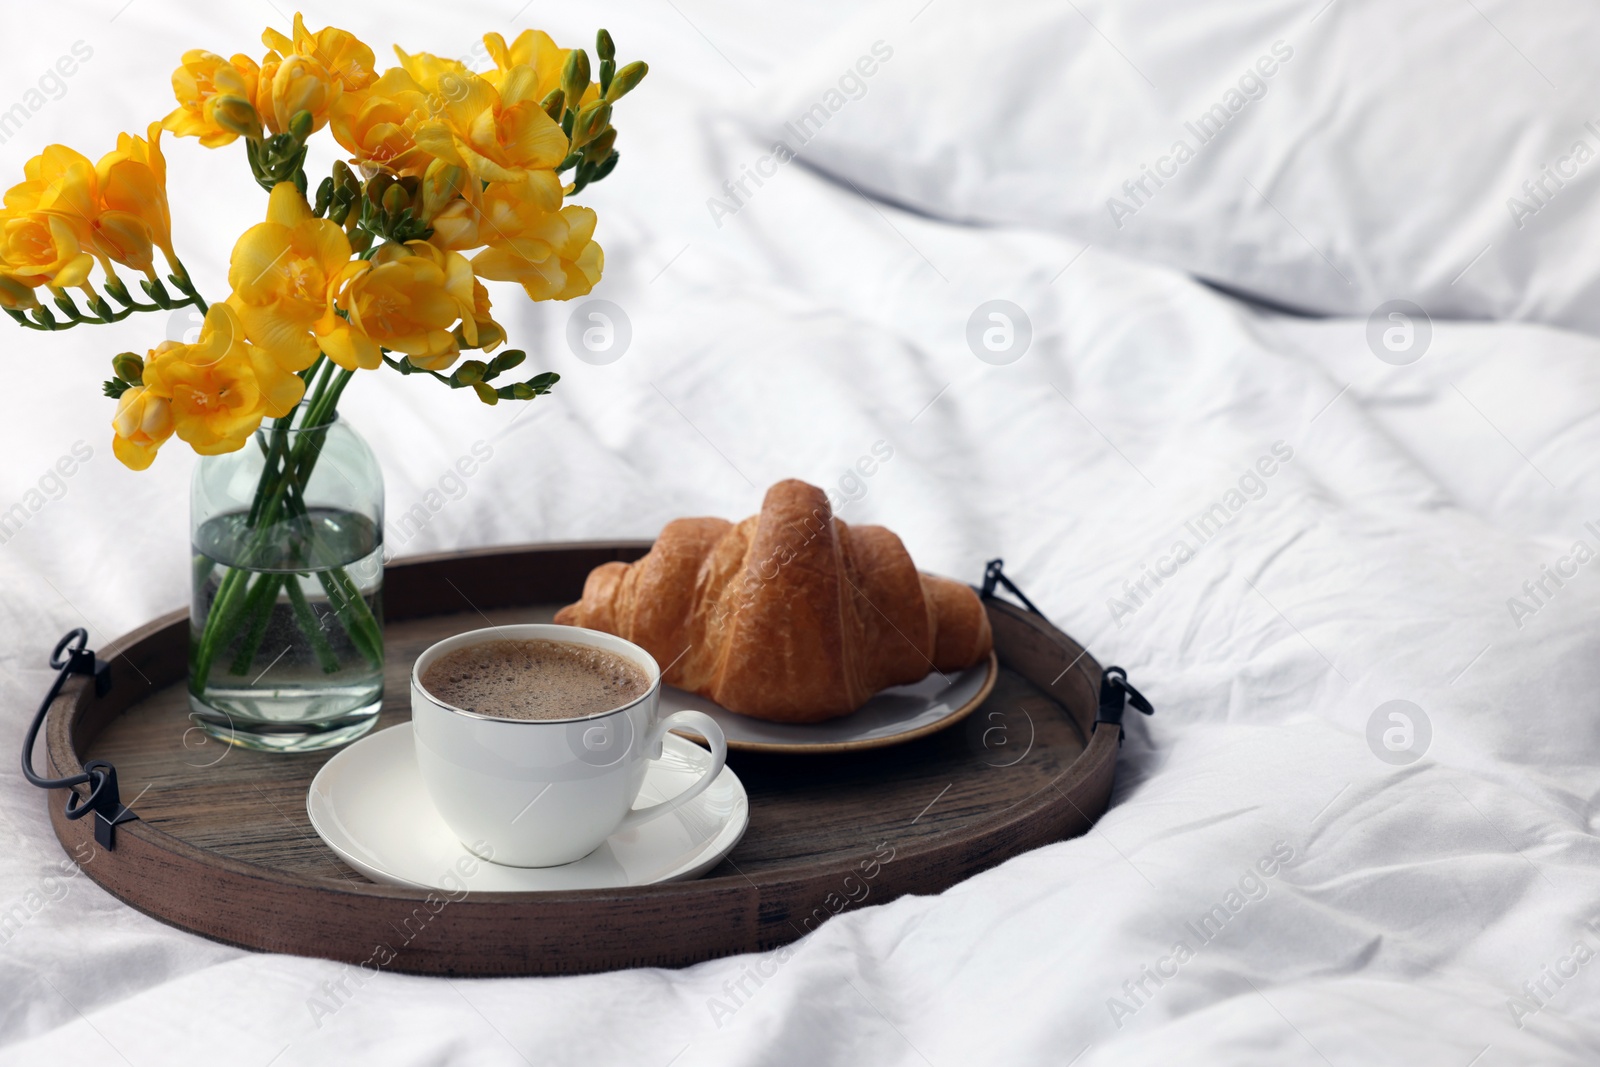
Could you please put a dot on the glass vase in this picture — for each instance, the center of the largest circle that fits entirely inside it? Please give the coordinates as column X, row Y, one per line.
column 285, row 625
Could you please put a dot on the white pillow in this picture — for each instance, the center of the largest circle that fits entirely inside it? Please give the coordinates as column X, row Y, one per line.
column 1327, row 160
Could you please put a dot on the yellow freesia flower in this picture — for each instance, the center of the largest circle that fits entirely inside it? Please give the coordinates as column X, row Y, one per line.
column 510, row 206
column 280, row 273
column 220, row 387
column 497, row 214
column 38, row 248
column 309, row 72
column 532, row 48
column 547, row 249
column 132, row 210
column 406, row 298
column 292, row 84
column 70, row 212
column 47, row 228
column 341, row 53
column 377, row 125
column 143, row 422
column 480, row 330
column 499, row 135
column 203, row 80
column 441, row 79
column 457, row 227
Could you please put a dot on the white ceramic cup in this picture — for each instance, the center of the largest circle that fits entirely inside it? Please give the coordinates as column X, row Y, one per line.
column 541, row 792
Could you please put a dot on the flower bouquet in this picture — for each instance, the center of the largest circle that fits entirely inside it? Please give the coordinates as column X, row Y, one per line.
column 454, row 177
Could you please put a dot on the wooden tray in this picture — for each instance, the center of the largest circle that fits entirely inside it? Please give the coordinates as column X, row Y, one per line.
column 223, row 847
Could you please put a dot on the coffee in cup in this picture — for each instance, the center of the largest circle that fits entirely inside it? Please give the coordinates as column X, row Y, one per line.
column 548, row 763
column 534, row 679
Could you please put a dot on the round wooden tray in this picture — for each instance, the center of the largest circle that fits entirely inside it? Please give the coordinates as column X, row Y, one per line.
column 223, row 847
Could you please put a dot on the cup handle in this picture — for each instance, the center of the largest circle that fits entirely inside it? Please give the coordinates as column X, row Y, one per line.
column 707, row 728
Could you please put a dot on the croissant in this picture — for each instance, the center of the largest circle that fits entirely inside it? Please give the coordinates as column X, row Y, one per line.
column 790, row 615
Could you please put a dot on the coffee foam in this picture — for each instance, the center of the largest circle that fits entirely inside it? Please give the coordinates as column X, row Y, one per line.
column 534, row 679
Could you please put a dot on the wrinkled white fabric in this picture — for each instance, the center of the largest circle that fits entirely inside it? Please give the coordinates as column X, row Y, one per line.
column 1425, row 913
column 1327, row 156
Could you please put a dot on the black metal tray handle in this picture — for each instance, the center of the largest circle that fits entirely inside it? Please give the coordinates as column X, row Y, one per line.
column 1116, row 692
column 71, row 656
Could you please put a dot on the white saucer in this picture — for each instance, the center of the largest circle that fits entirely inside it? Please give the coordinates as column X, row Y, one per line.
column 369, row 805
column 902, row 713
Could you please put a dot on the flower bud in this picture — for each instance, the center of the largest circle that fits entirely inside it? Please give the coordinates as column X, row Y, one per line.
column 603, row 45
column 377, row 185
column 237, row 115
column 300, row 125
column 575, row 76
column 601, row 146
column 128, row 367
column 344, row 177
column 509, row 360
column 490, row 335
column 626, row 80
column 590, row 121
column 442, row 182
column 554, row 104
column 395, row 199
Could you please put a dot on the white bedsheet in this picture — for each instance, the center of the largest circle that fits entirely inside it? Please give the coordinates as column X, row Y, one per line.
column 1376, row 563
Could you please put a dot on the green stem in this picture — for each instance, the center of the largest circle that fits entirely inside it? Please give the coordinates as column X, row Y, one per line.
column 185, row 284
column 258, row 609
column 358, row 604
column 311, row 627
column 345, row 597
column 270, row 467
column 303, row 459
column 221, row 619
column 322, row 364
column 204, row 567
column 353, row 614
column 298, row 463
column 280, row 436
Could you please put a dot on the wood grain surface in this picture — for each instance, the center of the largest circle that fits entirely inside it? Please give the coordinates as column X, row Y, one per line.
column 223, row 846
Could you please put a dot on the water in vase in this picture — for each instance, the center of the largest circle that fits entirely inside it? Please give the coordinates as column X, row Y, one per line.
column 300, row 665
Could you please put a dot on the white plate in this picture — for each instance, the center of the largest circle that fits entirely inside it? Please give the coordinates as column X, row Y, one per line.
column 369, row 805
column 902, row 713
